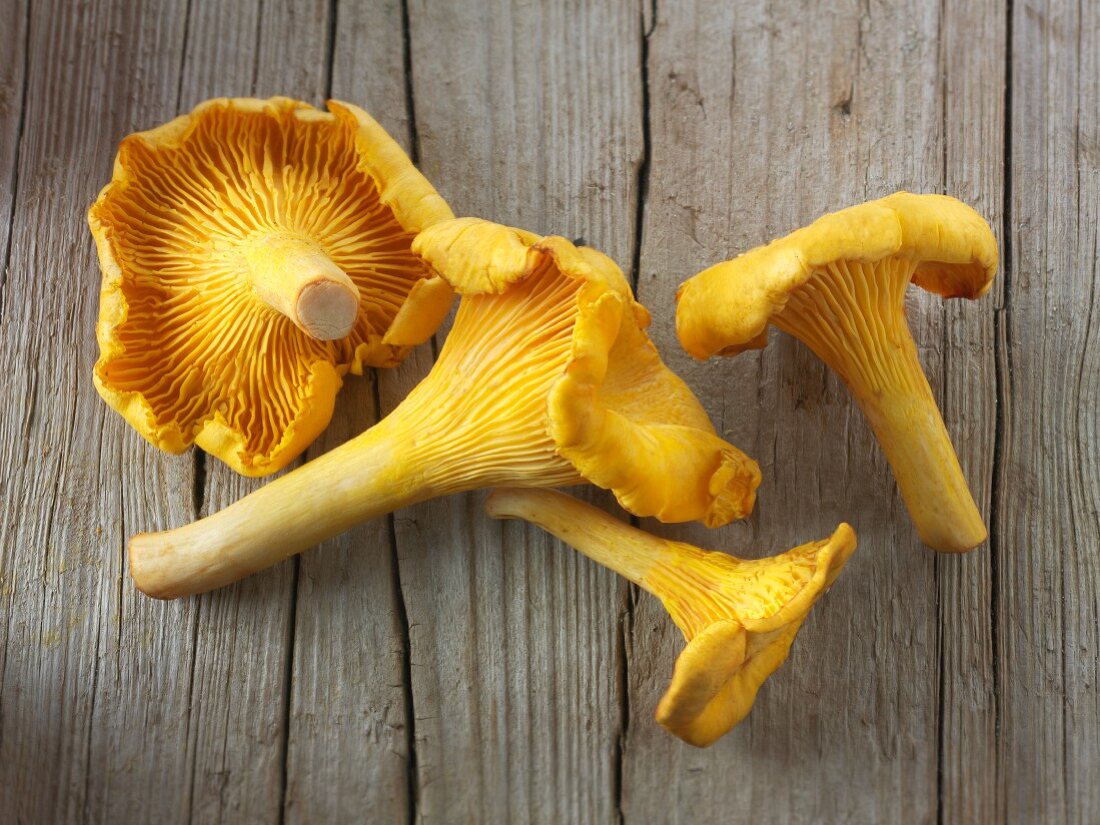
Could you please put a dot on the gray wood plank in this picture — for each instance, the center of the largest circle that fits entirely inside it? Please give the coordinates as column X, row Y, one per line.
column 1081, row 649
column 348, row 755
column 764, row 116
column 1048, row 548
column 973, row 61
column 243, row 639
column 93, row 691
column 529, row 115
column 13, row 20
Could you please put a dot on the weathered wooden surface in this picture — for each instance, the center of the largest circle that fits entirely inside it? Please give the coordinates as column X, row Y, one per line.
column 809, row 114
column 436, row 666
column 1047, row 547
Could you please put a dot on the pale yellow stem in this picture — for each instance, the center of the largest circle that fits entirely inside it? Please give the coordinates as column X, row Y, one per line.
column 916, row 443
column 853, row 316
column 630, row 552
column 367, row 477
column 293, row 276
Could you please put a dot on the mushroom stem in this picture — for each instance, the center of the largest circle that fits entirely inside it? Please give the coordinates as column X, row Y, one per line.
column 294, row 276
column 419, row 451
column 633, row 554
column 354, row 482
column 856, row 324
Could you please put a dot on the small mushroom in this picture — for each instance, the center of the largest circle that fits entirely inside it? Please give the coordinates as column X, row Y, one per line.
column 838, row 285
column 254, row 251
column 739, row 617
column 546, row 378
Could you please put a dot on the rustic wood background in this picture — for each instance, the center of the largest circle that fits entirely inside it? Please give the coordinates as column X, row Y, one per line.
column 437, row 666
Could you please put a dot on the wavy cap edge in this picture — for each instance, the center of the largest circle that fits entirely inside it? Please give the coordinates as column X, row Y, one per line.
column 726, row 308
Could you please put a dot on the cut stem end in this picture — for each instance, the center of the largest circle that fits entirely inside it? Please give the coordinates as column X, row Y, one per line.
column 295, row 277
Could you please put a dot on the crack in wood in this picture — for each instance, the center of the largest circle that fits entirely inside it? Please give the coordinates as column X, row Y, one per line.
column 1002, row 373
column 412, row 776
column 642, row 175
column 626, row 616
column 288, row 689
column 198, row 481
column 183, row 53
column 330, row 45
column 410, row 91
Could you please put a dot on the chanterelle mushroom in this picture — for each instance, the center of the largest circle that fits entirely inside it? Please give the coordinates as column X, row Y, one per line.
column 253, row 251
column 546, row 378
column 739, row 617
column 838, row 285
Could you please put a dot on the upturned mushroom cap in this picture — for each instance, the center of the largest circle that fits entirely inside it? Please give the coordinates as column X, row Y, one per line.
column 742, row 631
column 726, row 308
column 614, row 411
column 253, row 252
column 739, row 617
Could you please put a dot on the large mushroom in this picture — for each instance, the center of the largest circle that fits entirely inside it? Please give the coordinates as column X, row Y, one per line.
column 838, row 285
column 739, row 617
column 547, row 378
column 254, row 251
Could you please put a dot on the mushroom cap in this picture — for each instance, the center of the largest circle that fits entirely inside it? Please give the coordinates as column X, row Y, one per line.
column 720, row 671
column 188, row 352
column 726, row 308
column 615, row 412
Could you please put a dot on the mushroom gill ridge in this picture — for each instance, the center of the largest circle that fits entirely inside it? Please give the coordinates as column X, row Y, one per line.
column 829, row 313
column 487, row 393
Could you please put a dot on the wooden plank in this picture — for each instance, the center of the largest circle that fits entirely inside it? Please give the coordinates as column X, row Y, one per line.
column 93, row 692
column 1049, row 474
column 762, row 117
column 529, row 115
column 973, row 60
column 1081, row 648
column 243, row 639
column 12, row 98
column 348, row 753
column 13, row 20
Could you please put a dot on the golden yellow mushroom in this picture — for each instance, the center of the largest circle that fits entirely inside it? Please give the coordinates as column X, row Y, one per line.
column 547, row 378
column 253, row 251
column 839, row 285
column 739, row 617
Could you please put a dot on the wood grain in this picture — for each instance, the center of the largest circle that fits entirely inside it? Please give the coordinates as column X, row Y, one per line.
column 348, row 752
column 93, row 694
column 971, row 55
column 243, row 637
column 762, row 118
column 529, row 115
column 1049, row 473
